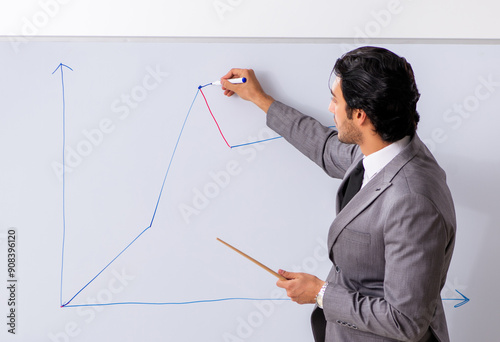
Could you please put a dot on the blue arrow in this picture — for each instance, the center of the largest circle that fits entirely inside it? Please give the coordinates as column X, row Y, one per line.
column 62, row 66
column 464, row 300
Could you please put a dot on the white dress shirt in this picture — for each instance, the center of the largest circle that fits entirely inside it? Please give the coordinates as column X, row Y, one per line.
column 378, row 160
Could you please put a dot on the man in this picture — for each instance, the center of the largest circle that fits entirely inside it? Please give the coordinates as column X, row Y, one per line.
column 391, row 242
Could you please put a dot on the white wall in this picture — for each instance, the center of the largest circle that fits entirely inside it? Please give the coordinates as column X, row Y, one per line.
column 253, row 18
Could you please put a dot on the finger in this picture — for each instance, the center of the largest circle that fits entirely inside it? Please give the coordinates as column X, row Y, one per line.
column 282, row 283
column 231, row 87
column 237, row 73
column 228, row 93
column 234, row 73
column 226, row 85
column 288, row 275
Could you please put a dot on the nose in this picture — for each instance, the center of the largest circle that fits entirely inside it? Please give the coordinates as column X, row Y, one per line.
column 331, row 107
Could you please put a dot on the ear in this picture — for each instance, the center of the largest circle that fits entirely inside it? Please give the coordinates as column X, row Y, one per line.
column 360, row 117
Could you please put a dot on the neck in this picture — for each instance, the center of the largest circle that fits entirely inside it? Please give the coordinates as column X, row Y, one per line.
column 372, row 143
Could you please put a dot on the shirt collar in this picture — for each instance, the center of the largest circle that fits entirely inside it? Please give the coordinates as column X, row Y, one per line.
column 378, row 160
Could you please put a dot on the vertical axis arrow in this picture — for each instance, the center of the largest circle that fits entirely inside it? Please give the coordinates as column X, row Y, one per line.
column 61, row 67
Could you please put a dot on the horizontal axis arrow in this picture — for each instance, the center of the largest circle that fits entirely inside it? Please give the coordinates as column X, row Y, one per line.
column 464, row 300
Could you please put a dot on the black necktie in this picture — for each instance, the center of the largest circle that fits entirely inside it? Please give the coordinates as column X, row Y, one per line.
column 352, row 184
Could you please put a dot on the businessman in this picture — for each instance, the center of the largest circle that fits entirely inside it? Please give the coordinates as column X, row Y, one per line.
column 392, row 240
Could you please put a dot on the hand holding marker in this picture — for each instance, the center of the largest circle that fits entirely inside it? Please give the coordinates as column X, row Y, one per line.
column 251, row 91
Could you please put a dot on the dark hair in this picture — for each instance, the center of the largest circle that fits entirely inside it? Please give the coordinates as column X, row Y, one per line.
column 382, row 84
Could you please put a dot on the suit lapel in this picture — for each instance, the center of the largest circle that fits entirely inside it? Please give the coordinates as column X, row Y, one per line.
column 363, row 199
column 372, row 190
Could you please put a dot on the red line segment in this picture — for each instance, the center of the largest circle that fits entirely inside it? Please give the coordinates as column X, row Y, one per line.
column 210, row 110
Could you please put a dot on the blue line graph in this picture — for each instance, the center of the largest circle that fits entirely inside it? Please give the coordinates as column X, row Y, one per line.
column 462, row 300
column 67, row 303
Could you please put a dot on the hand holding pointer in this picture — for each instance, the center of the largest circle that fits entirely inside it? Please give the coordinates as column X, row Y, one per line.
column 302, row 288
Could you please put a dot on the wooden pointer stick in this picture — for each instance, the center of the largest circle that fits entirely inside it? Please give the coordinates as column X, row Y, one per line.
column 255, row 261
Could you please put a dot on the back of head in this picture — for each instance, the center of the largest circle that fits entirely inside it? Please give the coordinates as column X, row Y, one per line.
column 382, row 84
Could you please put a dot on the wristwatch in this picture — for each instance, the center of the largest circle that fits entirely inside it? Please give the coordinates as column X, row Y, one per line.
column 321, row 293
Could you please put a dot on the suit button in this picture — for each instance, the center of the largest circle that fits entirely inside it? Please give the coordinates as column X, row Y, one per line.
column 337, row 269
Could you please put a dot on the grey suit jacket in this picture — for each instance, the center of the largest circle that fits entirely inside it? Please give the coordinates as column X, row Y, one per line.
column 391, row 246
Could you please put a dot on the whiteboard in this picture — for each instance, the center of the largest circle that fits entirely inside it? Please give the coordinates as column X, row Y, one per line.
column 126, row 240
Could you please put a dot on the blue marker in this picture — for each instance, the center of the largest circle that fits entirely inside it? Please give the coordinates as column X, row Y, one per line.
column 231, row 80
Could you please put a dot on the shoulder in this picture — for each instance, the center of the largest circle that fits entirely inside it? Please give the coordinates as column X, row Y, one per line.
column 416, row 177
